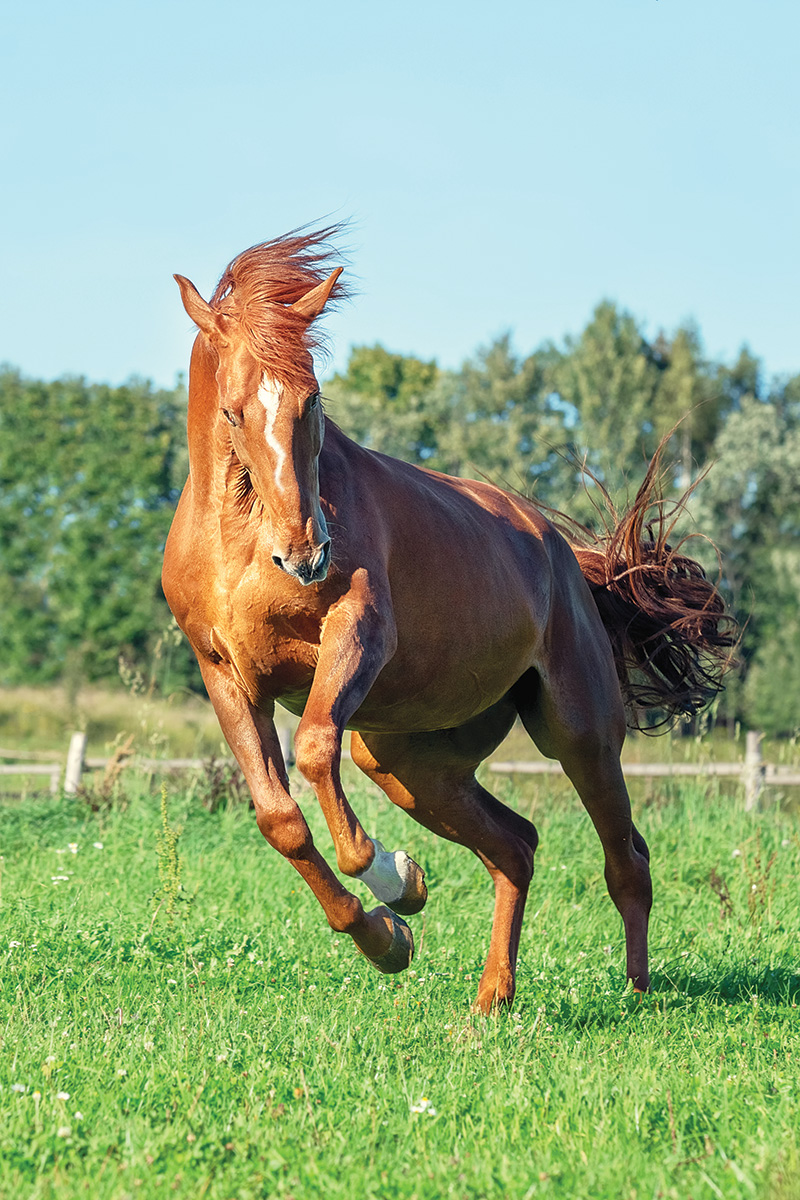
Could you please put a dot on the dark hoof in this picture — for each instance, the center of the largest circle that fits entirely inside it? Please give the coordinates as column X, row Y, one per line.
column 401, row 951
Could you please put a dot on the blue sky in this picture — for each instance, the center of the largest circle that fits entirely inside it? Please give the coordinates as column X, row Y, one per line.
column 506, row 166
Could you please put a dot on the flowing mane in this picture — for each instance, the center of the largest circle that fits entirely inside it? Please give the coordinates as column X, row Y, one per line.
column 259, row 285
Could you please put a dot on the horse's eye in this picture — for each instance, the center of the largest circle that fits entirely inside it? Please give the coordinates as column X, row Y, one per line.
column 229, row 417
column 313, row 402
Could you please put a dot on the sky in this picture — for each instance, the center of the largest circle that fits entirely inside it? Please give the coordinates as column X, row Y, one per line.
column 504, row 166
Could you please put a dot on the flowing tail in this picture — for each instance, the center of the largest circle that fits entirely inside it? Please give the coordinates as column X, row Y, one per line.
column 672, row 637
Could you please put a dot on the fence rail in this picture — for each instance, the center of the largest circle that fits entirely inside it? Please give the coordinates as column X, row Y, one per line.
column 73, row 766
column 753, row 771
column 772, row 774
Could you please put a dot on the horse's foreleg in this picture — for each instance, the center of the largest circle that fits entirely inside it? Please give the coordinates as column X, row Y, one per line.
column 352, row 654
column 380, row 935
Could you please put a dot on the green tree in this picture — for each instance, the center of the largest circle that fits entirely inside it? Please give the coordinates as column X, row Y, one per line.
column 385, row 402
column 501, row 424
column 689, row 398
column 749, row 506
column 88, row 483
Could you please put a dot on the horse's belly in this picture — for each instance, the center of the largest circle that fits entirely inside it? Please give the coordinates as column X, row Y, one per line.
column 443, row 689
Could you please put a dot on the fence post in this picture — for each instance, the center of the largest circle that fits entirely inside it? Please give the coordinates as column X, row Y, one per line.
column 75, row 757
column 753, row 771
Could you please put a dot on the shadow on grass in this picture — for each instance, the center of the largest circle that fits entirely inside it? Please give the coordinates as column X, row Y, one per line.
column 734, row 985
column 739, row 985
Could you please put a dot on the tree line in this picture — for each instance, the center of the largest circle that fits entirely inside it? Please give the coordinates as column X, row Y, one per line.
column 90, row 475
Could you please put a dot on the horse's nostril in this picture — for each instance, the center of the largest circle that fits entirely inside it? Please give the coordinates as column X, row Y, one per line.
column 276, row 558
column 325, row 552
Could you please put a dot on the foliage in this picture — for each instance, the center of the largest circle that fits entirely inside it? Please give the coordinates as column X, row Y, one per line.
column 89, row 476
column 384, row 402
column 257, row 1054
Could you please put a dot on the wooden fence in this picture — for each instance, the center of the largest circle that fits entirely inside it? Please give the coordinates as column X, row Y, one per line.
column 65, row 775
column 753, row 771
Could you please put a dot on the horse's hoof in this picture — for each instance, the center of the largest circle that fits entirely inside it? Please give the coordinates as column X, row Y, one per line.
column 396, row 880
column 488, row 1003
column 401, row 949
column 415, row 893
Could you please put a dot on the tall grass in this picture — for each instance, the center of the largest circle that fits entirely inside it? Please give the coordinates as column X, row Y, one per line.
column 235, row 1047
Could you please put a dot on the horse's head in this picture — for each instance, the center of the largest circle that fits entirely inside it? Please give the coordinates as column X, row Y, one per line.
column 274, row 420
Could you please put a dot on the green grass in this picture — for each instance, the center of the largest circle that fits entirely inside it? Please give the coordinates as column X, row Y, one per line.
column 244, row 1050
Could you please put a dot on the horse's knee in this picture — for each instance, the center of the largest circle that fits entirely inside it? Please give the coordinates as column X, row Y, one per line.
column 317, row 748
column 286, row 831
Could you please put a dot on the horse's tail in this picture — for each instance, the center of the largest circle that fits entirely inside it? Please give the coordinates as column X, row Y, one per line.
column 671, row 635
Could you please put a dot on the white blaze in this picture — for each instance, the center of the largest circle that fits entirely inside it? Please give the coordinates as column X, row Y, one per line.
column 270, row 393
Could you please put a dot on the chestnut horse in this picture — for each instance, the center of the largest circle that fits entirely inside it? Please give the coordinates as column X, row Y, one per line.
column 422, row 612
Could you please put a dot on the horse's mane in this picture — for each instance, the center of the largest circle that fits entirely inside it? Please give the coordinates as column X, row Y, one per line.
column 258, row 286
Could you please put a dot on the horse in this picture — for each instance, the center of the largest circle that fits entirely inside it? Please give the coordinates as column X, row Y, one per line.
column 421, row 612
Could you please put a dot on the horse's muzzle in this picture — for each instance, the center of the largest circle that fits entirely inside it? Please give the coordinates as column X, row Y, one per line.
column 308, row 571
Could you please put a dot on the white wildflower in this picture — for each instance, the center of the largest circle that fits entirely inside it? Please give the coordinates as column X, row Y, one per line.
column 18, row 1087
column 736, row 853
column 14, row 945
column 62, row 1095
column 72, row 847
column 63, row 1131
column 78, row 1116
column 424, row 1106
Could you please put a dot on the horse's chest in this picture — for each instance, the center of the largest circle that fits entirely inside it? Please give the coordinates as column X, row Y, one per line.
column 270, row 648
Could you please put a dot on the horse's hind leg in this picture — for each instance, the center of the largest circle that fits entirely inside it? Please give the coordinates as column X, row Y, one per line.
column 432, row 777
column 583, row 725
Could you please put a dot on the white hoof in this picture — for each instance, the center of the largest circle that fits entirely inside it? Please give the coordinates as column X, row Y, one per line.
column 396, row 880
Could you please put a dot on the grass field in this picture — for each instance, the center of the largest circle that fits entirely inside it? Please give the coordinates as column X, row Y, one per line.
column 241, row 1050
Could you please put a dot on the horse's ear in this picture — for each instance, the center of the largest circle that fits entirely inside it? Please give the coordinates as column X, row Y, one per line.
column 312, row 304
column 206, row 318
